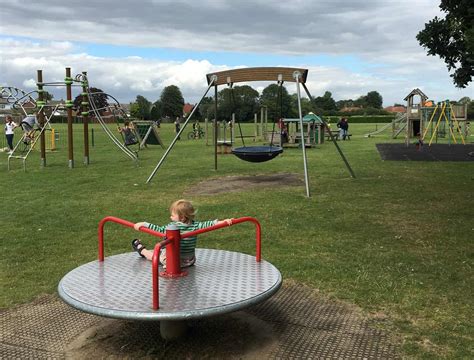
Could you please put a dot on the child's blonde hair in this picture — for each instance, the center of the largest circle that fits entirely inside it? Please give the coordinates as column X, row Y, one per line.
column 184, row 209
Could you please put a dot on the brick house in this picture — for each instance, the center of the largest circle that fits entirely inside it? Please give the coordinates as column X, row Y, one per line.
column 187, row 108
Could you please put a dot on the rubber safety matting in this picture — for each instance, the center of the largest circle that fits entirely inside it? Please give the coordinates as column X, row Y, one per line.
column 435, row 152
column 296, row 323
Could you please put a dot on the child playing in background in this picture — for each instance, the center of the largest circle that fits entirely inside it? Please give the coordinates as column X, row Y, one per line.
column 419, row 144
column 127, row 131
column 182, row 215
column 28, row 125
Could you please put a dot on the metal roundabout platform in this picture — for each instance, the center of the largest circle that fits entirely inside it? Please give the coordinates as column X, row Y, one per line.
column 121, row 286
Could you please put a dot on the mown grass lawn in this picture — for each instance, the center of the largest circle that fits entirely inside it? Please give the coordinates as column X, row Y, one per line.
column 396, row 241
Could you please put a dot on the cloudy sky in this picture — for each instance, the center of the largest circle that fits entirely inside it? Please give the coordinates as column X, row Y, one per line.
column 139, row 47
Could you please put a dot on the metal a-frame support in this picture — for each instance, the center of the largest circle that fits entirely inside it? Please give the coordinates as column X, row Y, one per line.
column 170, row 147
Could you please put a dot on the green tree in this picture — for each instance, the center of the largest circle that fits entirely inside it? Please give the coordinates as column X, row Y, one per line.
column 452, row 39
column 206, row 108
column 134, row 110
column 241, row 100
column 247, row 101
column 47, row 96
column 156, row 110
column 98, row 97
column 341, row 104
column 172, row 101
column 325, row 102
column 225, row 104
column 270, row 99
column 374, row 99
column 306, row 107
column 361, row 101
column 141, row 108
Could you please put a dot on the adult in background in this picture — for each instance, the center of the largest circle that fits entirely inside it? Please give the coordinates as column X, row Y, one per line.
column 177, row 126
column 343, row 126
column 9, row 132
column 283, row 132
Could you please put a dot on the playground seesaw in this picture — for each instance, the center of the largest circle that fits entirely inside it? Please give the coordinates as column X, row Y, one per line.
column 126, row 286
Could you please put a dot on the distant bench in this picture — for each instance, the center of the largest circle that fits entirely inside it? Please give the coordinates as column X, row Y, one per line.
column 335, row 134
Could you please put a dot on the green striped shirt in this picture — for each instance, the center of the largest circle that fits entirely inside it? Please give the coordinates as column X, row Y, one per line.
column 188, row 244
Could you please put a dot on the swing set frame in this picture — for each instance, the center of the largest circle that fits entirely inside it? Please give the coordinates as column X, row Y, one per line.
column 230, row 77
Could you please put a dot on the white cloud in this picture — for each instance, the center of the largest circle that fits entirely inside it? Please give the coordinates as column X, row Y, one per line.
column 295, row 27
column 29, row 84
column 123, row 78
column 379, row 34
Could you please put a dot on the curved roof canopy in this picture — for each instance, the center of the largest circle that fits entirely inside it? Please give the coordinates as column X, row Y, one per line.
column 257, row 74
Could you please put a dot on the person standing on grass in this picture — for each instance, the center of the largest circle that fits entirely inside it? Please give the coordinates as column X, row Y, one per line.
column 182, row 216
column 10, row 132
column 343, row 126
column 177, row 126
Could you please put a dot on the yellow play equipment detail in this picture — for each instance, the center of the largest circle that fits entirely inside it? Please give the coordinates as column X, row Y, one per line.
column 51, row 140
column 445, row 112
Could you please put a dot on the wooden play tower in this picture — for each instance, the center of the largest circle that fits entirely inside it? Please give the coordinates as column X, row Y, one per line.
column 416, row 100
column 423, row 113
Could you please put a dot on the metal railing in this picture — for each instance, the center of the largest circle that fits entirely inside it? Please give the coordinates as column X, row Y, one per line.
column 172, row 239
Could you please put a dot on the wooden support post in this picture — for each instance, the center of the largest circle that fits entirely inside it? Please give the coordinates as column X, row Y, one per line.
column 69, row 119
column 85, row 116
column 41, row 117
column 215, row 127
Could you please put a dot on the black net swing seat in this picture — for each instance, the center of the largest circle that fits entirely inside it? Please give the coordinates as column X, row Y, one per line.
column 257, row 153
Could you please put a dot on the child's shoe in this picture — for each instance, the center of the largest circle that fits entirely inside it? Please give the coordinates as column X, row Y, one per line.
column 138, row 247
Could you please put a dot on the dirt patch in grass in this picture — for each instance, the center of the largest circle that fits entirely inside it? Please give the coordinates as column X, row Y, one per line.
column 240, row 183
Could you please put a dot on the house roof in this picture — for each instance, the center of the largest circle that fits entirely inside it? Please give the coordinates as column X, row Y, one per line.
column 187, row 108
column 396, row 109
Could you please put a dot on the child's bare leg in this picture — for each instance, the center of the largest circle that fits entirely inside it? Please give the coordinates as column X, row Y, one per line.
column 148, row 254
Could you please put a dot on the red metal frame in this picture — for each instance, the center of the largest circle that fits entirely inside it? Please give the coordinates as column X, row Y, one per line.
column 172, row 241
column 121, row 222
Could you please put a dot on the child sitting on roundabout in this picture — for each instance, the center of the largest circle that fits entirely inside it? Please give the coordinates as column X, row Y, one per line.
column 182, row 215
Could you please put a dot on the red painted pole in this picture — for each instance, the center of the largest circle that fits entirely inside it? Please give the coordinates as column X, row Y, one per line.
column 173, row 259
column 155, row 261
column 121, row 222
column 258, row 232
